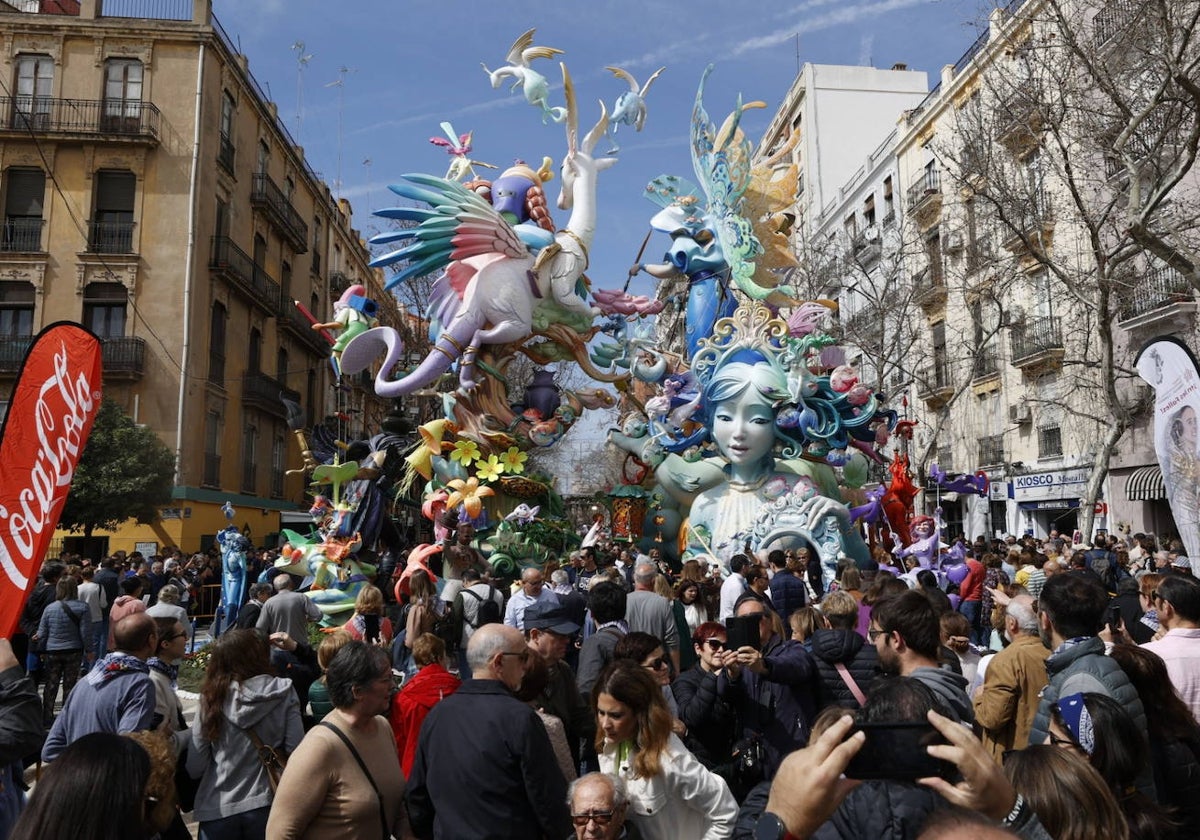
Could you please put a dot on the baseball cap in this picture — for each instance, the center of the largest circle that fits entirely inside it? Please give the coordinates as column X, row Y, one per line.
column 552, row 617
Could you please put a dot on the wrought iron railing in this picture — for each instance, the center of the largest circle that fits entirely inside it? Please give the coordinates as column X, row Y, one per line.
column 267, row 195
column 21, row 235
column 1161, row 286
column 106, row 237
column 1039, row 335
column 12, row 352
column 92, row 117
column 1113, row 18
column 124, row 355
column 928, row 185
column 247, row 275
column 986, row 363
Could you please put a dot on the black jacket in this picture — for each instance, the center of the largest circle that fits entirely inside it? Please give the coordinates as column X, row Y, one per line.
column 485, row 769
column 711, row 722
column 1177, row 781
column 830, row 647
column 879, row 810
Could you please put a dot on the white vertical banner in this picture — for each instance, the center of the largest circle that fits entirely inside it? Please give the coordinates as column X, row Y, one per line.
column 1170, row 368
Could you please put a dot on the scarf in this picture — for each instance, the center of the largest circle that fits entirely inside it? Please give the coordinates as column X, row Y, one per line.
column 171, row 672
column 112, row 665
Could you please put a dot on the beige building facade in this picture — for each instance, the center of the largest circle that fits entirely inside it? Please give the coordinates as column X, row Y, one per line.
column 151, row 193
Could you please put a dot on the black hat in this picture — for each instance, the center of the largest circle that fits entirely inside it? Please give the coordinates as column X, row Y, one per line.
column 545, row 615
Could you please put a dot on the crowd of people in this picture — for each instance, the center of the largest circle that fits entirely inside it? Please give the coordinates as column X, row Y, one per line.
column 1030, row 688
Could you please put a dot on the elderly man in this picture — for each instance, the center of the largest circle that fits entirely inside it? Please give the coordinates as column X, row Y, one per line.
column 1008, row 700
column 533, row 590
column 287, row 612
column 551, row 631
column 484, row 766
column 598, row 803
column 648, row 612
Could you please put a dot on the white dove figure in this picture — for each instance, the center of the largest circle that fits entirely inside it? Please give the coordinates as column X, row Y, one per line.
column 520, row 54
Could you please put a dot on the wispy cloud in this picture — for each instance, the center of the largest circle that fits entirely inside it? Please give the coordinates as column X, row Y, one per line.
column 438, row 115
column 837, row 17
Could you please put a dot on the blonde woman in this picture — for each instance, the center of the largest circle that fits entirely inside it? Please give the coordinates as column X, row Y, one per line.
column 368, row 623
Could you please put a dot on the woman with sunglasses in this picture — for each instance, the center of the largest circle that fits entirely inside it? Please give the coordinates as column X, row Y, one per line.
column 710, row 721
column 648, row 652
column 671, row 794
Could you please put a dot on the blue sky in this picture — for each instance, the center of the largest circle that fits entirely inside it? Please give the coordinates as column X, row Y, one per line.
column 408, row 66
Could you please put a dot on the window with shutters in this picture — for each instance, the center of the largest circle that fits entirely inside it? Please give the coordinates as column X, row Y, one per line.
column 254, row 357
column 24, row 190
column 216, row 345
column 122, row 112
column 104, row 307
column 32, row 101
column 112, row 221
column 226, row 153
column 16, row 309
column 212, row 449
column 278, row 453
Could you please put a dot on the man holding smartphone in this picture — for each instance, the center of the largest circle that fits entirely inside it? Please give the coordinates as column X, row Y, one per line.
column 905, row 632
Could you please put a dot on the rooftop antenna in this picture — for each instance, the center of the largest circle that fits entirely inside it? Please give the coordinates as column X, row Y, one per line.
column 340, row 84
column 302, row 59
column 797, row 36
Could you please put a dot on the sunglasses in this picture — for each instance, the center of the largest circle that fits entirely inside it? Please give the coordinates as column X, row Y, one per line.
column 655, row 664
column 713, row 644
column 600, row 818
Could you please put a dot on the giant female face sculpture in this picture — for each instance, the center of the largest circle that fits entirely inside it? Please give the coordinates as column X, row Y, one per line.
column 743, row 417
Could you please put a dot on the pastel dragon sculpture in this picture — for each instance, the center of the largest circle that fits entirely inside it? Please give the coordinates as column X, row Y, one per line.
column 630, row 107
column 537, row 91
column 492, row 284
column 731, row 232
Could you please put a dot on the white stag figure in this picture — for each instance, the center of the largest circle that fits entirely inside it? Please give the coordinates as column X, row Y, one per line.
column 492, row 283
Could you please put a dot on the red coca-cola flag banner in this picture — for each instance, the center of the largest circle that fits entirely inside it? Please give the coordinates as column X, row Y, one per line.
column 49, row 418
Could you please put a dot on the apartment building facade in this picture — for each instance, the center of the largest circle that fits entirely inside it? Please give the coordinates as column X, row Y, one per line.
column 151, row 192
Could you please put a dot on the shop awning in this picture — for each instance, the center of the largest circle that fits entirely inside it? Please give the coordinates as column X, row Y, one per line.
column 1145, row 484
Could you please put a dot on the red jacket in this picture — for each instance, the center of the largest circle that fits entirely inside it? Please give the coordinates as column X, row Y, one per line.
column 972, row 585
column 428, row 686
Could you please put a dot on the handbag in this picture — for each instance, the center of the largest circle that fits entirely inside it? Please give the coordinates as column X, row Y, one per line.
column 271, row 759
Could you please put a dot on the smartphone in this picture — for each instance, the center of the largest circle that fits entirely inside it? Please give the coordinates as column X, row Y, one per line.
column 742, row 631
column 1114, row 617
column 897, row 751
column 371, row 631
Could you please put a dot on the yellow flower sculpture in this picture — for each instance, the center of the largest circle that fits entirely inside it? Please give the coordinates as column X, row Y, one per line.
column 465, row 452
column 490, row 469
column 469, row 494
column 514, row 460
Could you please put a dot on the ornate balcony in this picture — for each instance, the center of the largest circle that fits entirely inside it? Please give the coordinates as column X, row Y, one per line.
column 291, row 320
column 934, row 385
column 124, row 358
column 985, row 366
column 929, row 288
column 1162, row 295
column 865, row 246
column 279, row 211
column 52, row 118
column 1019, row 122
column 22, row 235
column 106, row 237
column 1037, row 344
column 264, row 392
column 12, row 353
column 248, row 278
column 925, row 197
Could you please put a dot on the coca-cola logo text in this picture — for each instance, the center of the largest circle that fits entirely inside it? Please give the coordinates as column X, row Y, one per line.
column 64, row 406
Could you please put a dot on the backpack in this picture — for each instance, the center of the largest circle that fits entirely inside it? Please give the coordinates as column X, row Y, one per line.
column 489, row 610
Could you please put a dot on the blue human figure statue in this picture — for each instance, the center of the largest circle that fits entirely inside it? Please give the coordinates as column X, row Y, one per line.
column 233, row 561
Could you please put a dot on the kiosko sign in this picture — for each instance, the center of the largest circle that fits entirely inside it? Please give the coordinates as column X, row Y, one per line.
column 49, row 417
